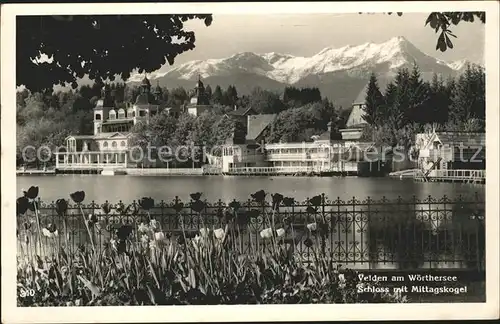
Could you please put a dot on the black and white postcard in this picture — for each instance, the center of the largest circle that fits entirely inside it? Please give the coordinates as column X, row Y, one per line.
column 197, row 162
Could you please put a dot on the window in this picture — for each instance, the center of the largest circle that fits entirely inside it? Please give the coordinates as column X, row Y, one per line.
column 122, row 144
column 121, row 113
column 142, row 113
column 114, row 144
column 105, row 144
column 130, row 113
column 97, row 116
column 112, row 114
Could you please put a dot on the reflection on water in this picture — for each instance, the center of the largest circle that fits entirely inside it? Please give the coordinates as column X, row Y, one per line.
column 128, row 188
column 363, row 233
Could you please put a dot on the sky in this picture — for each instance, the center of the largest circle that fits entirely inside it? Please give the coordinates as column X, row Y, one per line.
column 308, row 34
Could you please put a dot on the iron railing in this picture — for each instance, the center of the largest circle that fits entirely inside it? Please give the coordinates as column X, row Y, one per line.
column 365, row 234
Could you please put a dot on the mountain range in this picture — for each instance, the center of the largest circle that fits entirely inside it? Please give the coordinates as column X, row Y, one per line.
column 339, row 73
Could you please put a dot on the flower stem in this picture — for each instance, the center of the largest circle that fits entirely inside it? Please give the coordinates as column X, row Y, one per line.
column 38, row 227
column 87, row 226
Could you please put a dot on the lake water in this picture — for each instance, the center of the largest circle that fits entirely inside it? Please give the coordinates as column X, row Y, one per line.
column 128, row 188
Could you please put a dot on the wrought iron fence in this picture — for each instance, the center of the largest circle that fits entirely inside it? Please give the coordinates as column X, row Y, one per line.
column 364, row 234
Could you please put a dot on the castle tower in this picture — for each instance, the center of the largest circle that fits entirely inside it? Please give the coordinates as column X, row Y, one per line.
column 102, row 108
column 158, row 92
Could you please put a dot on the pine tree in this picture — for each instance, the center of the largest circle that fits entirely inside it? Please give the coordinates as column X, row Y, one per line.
column 230, row 96
column 439, row 102
column 469, row 96
column 418, row 97
column 401, row 104
column 373, row 101
column 217, row 95
column 208, row 93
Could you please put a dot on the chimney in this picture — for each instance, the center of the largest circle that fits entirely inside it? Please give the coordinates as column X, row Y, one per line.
column 329, row 127
column 235, row 108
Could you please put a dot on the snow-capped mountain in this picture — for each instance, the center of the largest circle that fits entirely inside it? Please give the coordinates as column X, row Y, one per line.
column 339, row 73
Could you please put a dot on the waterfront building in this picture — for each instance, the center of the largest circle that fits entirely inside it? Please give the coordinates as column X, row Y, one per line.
column 109, row 145
column 246, row 149
column 450, row 151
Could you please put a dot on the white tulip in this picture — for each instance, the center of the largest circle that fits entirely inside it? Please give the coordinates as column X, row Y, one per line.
column 266, row 233
column 312, row 226
column 204, row 232
column 159, row 236
column 219, row 233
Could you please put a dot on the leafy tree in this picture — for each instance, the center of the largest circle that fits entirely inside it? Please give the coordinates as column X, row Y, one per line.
column 265, row 102
column 442, row 21
column 90, row 45
column 373, row 100
column 178, row 97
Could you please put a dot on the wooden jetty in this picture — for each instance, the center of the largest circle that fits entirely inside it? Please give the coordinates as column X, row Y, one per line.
column 464, row 176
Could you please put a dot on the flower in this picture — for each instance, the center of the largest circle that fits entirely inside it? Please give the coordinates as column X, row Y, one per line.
column 287, row 201
column 143, row 228
column 50, row 231
column 195, row 196
column 159, row 236
column 92, row 218
column 78, row 196
column 146, row 203
column 311, row 210
column 32, row 192
column 22, row 205
column 311, row 227
column 113, row 244
column 198, row 206
column 266, row 233
column 154, row 224
column 234, row 205
column 144, row 238
column 316, row 200
column 178, row 206
column 219, row 233
column 280, row 232
column 277, row 199
column 61, row 206
column 204, row 232
column 259, row 196
column 106, row 208
column 342, row 281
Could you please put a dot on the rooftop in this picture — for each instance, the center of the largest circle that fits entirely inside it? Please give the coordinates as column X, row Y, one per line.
column 242, row 111
column 257, row 124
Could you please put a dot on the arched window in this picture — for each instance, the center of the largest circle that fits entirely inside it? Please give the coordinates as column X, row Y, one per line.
column 105, row 144
column 97, row 116
column 114, row 144
column 130, row 113
column 122, row 144
column 121, row 113
column 112, row 114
